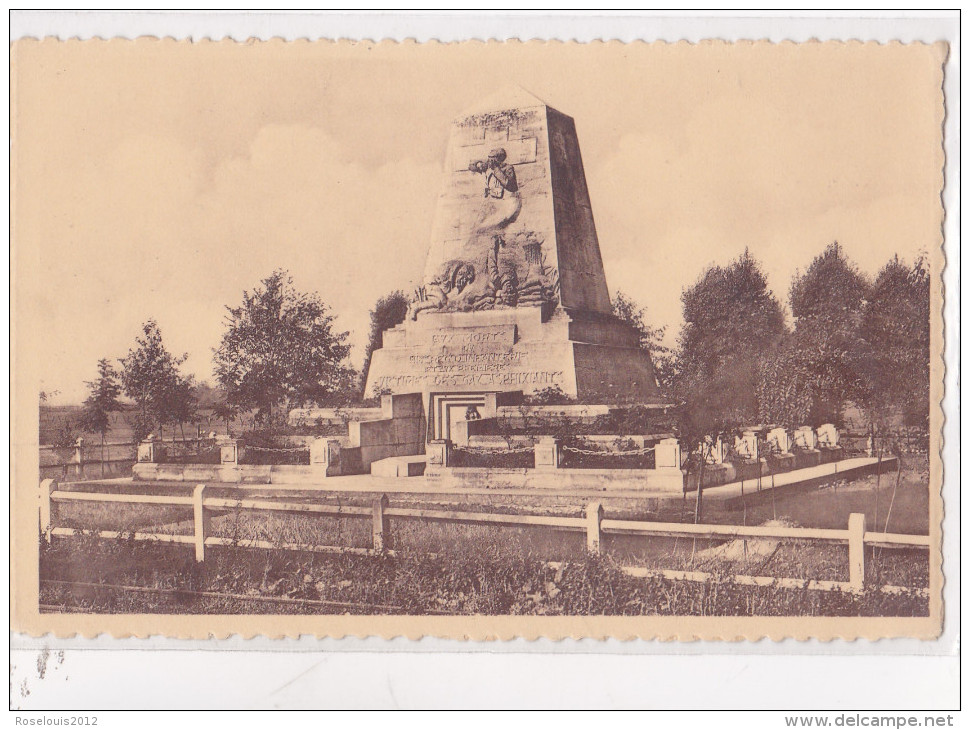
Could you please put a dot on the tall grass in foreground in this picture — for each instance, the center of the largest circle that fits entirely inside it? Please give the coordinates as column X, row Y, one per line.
column 482, row 577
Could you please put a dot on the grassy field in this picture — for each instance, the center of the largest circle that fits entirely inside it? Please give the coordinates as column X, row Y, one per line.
column 447, row 568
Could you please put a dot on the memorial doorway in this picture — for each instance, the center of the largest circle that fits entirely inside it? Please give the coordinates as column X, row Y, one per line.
column 447, row 408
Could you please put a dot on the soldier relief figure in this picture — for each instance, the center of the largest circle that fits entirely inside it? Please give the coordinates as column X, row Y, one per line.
column 502, row 200
column 498, row 282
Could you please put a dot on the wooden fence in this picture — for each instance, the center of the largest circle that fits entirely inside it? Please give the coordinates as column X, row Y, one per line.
column 593, row 524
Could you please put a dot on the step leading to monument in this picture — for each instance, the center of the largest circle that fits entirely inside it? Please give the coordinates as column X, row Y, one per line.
column 399, row 466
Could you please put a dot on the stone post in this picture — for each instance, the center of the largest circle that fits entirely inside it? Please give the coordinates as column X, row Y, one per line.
column 828, row 435
column 78, row 457
column 780, row 438
column 146, row 451
column 439, row 453
column 548, row 453
column 719, row 451
column 805, row 438
column 325, row 454
column 459, row 433
column 231, row 452
column 667, row 454
column 750, row 441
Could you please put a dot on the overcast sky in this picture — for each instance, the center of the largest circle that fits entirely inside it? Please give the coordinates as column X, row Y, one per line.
column 161, row 179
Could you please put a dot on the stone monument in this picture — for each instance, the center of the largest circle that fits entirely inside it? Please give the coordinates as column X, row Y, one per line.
column 514, row 296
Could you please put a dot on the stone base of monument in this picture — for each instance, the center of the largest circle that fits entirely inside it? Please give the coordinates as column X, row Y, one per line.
column 584, row 354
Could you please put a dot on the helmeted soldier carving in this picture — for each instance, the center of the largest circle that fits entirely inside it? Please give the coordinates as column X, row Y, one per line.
column 502, row 201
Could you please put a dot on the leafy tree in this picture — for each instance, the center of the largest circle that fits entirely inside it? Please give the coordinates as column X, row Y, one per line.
column 896, row 327
column 731, row 320
column 46, row 395
column 389, row 311
column 150, row 374
column 822, row 365
column 179, row 403
column 651, row 338
column 225, row 411
column 279, row 349
column 102, row 400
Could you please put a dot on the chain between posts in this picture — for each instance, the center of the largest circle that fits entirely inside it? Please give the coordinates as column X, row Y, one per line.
column 637, row 452
column 484, row 450
column 278, row 451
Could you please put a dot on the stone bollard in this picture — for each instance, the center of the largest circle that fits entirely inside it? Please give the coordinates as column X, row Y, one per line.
column 325, row 454
column 548, row 453
column 667, row 454
column 439, row 453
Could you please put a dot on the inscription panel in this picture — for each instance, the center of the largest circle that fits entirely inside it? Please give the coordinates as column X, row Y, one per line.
column 502, row 336
column 485, row 379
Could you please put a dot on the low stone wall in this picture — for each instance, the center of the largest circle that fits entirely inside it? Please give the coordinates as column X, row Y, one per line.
column 648, row 480
column 401, row 432
column 235, row 474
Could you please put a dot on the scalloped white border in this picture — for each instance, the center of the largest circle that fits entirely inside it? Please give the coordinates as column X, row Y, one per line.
column 627, row 27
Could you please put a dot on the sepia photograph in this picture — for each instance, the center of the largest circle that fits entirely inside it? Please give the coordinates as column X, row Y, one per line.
column 477, row 339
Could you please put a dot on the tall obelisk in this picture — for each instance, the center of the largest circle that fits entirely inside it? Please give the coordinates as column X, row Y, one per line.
column 514, row 296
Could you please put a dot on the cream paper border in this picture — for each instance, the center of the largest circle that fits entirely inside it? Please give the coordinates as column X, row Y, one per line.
column 24, row 475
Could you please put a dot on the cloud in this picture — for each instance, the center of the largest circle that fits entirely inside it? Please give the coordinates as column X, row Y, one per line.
column 153, row 231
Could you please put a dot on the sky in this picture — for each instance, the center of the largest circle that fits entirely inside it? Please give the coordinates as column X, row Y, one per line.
column 161, row 179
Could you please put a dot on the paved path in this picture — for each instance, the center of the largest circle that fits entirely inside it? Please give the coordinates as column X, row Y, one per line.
column 845, row 469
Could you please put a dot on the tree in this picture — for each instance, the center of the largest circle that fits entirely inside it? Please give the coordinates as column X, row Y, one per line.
column 651, row 338
column 279, row 349
column 822, row 365
column 389, row 311
column 179, row 403
column 896, row 328
column 102, row 400
column 731, row 319
column 149, row 376
column 226, row 411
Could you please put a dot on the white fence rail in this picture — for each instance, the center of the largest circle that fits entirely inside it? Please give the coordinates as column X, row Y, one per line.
column 594, row 525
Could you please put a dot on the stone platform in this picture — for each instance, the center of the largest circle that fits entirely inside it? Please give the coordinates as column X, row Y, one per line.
column 514, row 350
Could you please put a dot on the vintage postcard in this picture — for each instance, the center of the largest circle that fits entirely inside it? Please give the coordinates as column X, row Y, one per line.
column 477, row 340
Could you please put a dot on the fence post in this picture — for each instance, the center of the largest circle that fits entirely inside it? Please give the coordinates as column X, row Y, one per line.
column 47, row 486
column 594, row 516
column 857, row 551
column 201, row 522
column 381, row 526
